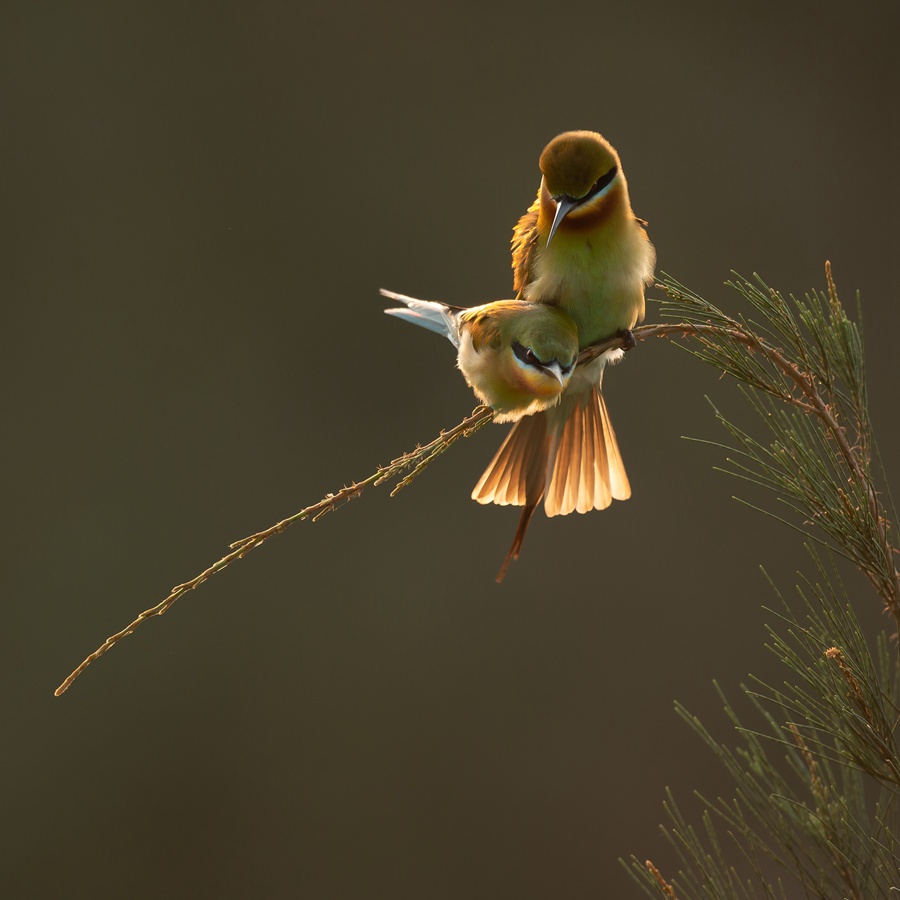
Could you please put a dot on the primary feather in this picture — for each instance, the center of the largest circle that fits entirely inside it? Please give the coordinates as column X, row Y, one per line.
column 437, row 317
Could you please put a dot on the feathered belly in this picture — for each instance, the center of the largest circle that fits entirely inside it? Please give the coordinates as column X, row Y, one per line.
column 596, row 314
column 600, row 287
column 599, row 306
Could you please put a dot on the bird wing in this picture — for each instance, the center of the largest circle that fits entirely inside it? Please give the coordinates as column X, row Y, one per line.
column 437, row 317
column 484, row 322
column 524, row 240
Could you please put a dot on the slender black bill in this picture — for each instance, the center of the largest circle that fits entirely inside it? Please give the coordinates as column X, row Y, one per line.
column 555, row 369
column 563, row 207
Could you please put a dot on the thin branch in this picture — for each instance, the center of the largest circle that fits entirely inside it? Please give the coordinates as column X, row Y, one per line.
column 418, row 458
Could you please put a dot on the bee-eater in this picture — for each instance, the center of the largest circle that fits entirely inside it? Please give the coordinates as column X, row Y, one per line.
column 517, row 357
column 580, row 249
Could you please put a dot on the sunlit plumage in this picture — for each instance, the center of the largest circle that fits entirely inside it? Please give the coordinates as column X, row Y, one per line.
column 517, row 357
column 579, row 248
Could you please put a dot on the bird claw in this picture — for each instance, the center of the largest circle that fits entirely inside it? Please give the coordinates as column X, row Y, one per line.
column 627, row 337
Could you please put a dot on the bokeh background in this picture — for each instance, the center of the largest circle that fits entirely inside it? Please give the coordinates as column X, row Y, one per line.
column 199, row 204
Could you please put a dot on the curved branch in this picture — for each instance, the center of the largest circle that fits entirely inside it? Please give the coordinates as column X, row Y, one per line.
column 418, row 458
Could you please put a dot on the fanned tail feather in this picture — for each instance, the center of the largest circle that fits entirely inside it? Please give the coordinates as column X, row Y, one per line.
column 567, row 455
column 584, row 465
column 619, row 486
column 569, row 452
column 515, row 476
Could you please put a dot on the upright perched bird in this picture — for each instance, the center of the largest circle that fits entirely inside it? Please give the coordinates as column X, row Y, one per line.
column 579, row 249
column 517, row 356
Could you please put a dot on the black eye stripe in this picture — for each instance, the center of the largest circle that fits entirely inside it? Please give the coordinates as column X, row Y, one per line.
column 525, row 354
column 601, row 183
column 528, row 356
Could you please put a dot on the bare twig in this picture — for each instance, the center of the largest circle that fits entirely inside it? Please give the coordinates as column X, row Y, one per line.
column 418, row 458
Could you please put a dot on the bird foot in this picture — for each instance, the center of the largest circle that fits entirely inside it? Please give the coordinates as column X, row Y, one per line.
column 627, row 337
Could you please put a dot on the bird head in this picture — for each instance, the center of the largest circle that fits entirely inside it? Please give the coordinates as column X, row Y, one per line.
column 517, row 356
column 544, row 344
column 581, row 170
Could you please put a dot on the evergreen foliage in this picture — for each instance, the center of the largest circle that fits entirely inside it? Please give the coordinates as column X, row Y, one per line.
column 817, row 777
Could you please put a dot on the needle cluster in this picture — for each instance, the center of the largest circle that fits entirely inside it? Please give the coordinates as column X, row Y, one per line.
column 816, row 805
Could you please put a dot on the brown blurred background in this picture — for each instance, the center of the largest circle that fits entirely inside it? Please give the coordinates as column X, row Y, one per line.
column 199, row 204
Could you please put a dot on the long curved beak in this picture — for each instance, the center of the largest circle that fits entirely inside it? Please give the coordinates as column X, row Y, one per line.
column 563, row 207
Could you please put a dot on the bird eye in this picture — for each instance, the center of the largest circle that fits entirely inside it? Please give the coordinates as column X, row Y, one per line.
column 601, row 183
column 526, row 354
